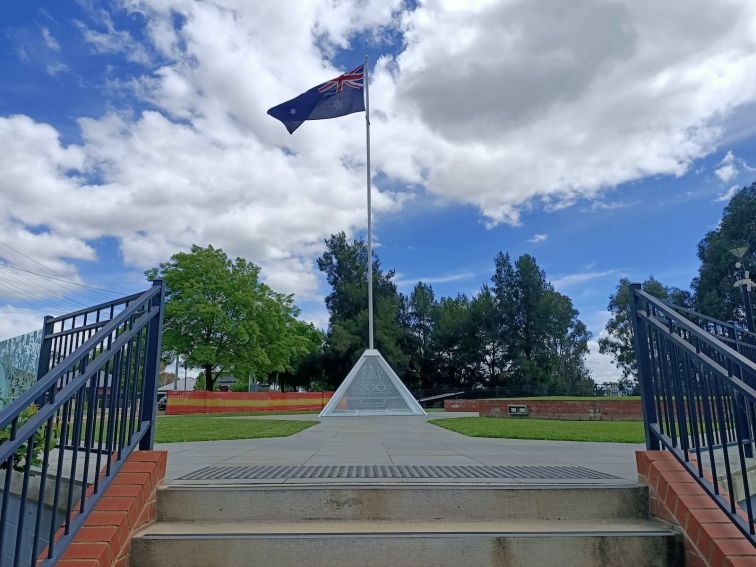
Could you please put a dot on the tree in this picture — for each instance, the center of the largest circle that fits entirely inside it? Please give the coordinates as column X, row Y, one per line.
column 715, row 294
column 487, row 350
column 304, row 370
column 617, row 342
column 543, row 343
column 344, row 264
column 450, row 324
column 420, row 310
column 221, row 318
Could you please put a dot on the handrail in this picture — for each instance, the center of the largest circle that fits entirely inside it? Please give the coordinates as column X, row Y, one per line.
column 69, row 434
column 692, row 328
column 699, row 400
column 99, row 307
column 739, row 338
column 67, row 392
column 724, row 324
column 44, row 383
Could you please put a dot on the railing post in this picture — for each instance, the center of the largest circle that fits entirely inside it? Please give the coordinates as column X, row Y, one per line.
column 642, row 354
column 747, row 306
column 148, row 409
column 45, row 348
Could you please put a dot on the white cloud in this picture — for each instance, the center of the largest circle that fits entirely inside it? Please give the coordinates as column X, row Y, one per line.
column 110, row 39
column 538, row 238
column 601, row 366
column 219, row 176
column 728, row 169
column 318, row 316
column 54, row 69
column 49, row 39
column 598, row 206
column 503, row 105
column 729, row 194
column 14, row 322
column 568, row 280
column 402, row 280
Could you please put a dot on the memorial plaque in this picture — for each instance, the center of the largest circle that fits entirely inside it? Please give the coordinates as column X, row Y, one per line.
column 372, row 388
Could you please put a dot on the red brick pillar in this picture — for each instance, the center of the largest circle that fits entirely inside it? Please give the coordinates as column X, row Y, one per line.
column 711, row 539
column 127, row 505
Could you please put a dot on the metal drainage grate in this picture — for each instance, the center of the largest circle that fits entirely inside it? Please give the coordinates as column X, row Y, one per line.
column 273, row 472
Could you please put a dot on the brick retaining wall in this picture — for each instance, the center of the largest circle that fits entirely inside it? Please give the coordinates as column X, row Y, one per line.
column 128, row 505
column 711, row 539
column 597, row 409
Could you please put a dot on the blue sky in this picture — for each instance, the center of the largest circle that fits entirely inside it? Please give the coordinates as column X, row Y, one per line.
column 133, row 129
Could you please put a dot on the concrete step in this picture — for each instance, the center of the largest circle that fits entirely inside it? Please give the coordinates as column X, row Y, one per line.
column 510, row 543
column 400, row 502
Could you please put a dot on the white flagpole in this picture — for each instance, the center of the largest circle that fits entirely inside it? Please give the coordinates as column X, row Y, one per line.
column 370, row 215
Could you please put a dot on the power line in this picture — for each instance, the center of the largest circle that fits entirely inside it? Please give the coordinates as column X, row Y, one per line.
column 61, row 279
column 48, row 290
column 32, row 259
column 54, row 302
column 49, row 304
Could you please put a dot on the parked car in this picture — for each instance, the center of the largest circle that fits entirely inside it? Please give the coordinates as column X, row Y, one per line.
column 162, row 402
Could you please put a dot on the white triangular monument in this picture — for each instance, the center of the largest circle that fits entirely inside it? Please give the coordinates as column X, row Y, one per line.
column 372, row 388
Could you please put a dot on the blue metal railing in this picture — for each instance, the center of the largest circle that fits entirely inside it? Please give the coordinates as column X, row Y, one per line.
column 699, row 399
column 62, row 442
column 730, row 333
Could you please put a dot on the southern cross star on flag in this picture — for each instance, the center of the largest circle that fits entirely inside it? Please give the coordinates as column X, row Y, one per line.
column 334, row 98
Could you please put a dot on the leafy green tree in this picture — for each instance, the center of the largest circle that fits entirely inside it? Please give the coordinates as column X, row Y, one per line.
column 220, row 317
column 420, row 311
column 344, row 264
column 450, row 325
column 543, row 341
column 715, row 294
column 568, row 344
column 304, row 371
column 486, row 350
column 617, row 341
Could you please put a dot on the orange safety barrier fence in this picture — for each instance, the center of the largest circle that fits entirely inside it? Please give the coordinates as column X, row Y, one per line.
column 237, row 402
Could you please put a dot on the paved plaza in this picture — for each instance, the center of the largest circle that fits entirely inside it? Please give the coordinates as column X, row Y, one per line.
column 396, row 440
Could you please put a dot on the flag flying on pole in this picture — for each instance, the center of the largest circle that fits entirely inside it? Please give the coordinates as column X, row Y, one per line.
column 334, row 98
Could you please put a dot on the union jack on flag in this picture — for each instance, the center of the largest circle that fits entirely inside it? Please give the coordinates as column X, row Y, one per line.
column 334, row 98
column 353, row 79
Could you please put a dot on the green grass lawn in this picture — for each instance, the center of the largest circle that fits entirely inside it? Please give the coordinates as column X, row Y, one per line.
column 248, row 413
column 545, row 429
column 182, row 428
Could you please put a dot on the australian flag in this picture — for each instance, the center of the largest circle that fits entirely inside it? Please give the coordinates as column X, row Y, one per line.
column 334, row 98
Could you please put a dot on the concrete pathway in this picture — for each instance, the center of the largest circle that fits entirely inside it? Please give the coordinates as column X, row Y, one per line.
column 397, row 441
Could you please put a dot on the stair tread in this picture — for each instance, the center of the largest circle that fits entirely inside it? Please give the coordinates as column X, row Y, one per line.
column 429, row 527
column 366, row 485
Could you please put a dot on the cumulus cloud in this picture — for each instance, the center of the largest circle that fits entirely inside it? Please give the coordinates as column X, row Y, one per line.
column 728, row 169
column 502, row 105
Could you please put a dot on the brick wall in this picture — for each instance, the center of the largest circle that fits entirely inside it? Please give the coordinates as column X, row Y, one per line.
column 597, row 409
column 711, row 539
column 127, row 505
